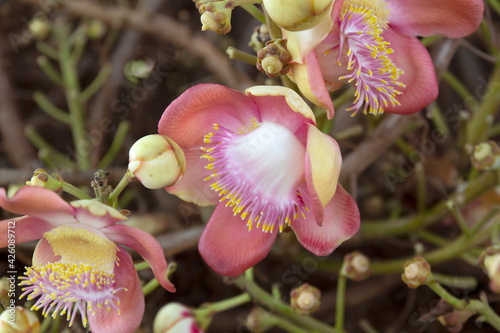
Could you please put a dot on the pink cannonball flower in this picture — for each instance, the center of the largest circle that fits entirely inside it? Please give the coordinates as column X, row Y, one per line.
column 77, row 265
column 372, row 45
column 260, row 158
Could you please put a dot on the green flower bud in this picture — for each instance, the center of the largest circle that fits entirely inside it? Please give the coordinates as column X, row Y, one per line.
column 273, row 59
column 39, row 28
column 216, row 16
column 486, row 156
column 157, row 161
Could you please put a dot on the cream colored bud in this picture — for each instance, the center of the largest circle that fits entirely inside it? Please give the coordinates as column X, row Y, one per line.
column 491, row 264
column 272, row 65
column 298, row 15
column 175, row 318
column 305, row 299
column 356, row 266
column 39, row 28
column 19, row 320
column 157, row 161
column 416, row 272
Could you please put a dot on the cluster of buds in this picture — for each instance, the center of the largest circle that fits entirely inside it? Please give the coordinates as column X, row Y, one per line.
column 215, row 15
column 490, row 260
column 416, row 272
column 305, row 299
column 297, row 15
column 19, row 320
column 356, row 266
column 486, row 156
column 273, row 58
column 175, row 318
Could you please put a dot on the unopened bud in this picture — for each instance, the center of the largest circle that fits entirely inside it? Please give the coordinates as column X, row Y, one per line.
column 39, row 28
column 96, row 29
column 356, row 266
column 41, row 178
column 486, row 156
column 490, row 260
column 216, row 16
column 135, row 70
column 416, row 272
column 259, row 320
column 157, row 161
column 259, row 37
column 273, row 59
column 19, row 320
column 175, row 318
column 298, row 15
column 305, row 299
column 455, row 320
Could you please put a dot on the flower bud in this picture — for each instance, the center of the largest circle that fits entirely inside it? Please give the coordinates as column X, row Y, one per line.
column 157, row 161
column 216, row 17
column 486, row 156
column 175, row 318
column 273, row 59
column 259, row 37
column 356, row 266
column 39, row 28
column 96, row 30
column 416, row 272
column 136, row 70
column 298, row 15
column 41, row 178
column 305, row 299
column 490, row 260
column 19, row 320
column 455, row 320
column 259, row 321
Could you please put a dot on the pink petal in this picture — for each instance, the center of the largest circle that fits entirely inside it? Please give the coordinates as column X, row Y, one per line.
column 228, row 247
column 96, row 214
column 341, row 223
column 322, row 170
column 192, row 187
column 26, row 229
column 451, row 18
column 38, row 202
column 419, row 75
column 193, row 114
column 131, row 301
column 44, row 254
column 146, row 245
column 311, row 83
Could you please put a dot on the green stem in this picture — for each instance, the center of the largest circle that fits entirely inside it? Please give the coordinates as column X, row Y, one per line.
column 44, row 326
column 47, row 50
column 39, row 142
column 479, row 124
column 495, row 5
column 93, row 87
column 235, row 53
column 480, row 307
column 427, row 41
column 113, row 198
column 73, row 190
column 457, row 214
column 461, row 282
column 72, row 90
column 410, row 223
column 339, row 310
column 458, row 86
column 277, row 306
column 116, row 145
column 255, row 12
column 151, row 286
column 56, row 323
column 49, row 70
column 421, row 188
column 225, row 305
column 287, row 326
column 46, row 105
column 350, row 132
column 439, row 121
column 140, row 266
